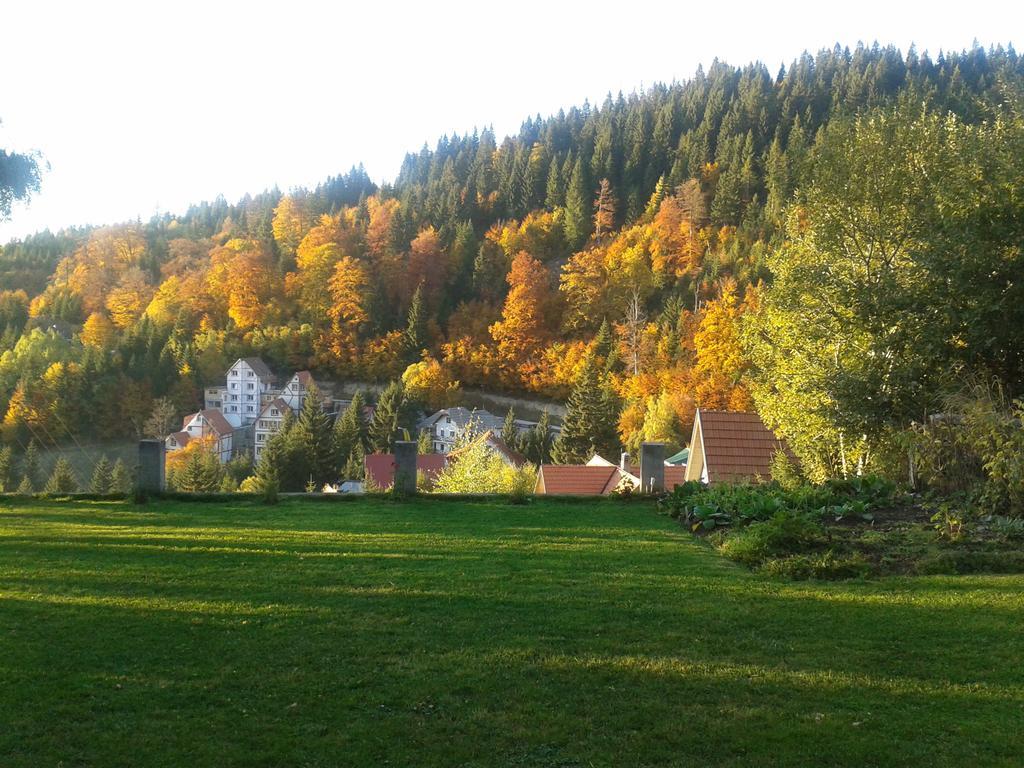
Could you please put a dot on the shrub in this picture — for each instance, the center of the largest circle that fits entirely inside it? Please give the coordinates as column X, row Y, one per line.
column 785, row 533
column 827, row 565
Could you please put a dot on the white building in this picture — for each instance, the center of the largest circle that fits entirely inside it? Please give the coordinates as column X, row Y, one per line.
column 249, row 386
column 206, row 424
column 295, row 391
column 448, row 425
column 268, row 423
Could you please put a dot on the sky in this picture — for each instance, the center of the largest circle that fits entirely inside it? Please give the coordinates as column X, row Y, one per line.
column 147, row 107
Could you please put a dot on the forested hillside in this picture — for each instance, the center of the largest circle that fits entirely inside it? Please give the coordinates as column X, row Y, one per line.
column 616, row 246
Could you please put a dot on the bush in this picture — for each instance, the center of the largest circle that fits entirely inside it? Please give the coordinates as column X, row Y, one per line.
column 828, row 565
column 785, row 533
column 958, row 562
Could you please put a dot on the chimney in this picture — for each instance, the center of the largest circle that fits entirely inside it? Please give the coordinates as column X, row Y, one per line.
column 652, row 467
column 624, row 461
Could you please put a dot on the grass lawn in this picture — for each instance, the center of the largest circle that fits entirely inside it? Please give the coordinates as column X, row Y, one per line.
column 436, row 633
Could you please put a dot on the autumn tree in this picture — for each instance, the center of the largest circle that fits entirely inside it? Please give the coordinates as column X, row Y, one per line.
column 604, row 210
column 529, row 313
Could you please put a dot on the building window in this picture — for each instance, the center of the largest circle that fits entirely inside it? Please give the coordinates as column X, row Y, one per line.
column 249, row 409
column 447, row 419
column 260, row 437
column 273, row 412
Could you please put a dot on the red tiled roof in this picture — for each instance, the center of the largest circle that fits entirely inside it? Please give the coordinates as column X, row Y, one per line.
column 588, row 480
column 737, row 446
column 674, row 475
column 305, row 378
column 181, row 438
column 380, row 467
column 278, row 403
column 214, row 418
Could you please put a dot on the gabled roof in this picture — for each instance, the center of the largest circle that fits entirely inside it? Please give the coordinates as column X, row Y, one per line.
column 278, row 403
column 214, row 418
column 258, row 366
column 735, row 446
column 181, row 438
column 305, row 379
column 461, row 417
column 578, row 480
column 380, row 467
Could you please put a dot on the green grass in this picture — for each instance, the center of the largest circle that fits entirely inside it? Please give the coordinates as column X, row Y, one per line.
column 441, row 633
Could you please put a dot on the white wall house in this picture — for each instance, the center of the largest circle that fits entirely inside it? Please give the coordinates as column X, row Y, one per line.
column 207, row 423
column 448, row 425
column 295, row 391
column 268, row 423
column 249, row 384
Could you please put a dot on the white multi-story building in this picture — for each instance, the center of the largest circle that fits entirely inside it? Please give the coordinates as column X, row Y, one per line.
column 249, row 385
column 268, row 423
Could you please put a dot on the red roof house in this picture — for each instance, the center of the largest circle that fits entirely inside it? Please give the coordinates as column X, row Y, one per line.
column 729, row 446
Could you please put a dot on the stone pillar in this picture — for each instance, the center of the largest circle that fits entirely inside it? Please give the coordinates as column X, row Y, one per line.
column 151, row 466
column 652, row 467
column 405, row 466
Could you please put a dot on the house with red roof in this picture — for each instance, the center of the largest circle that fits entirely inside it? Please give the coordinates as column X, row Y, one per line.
column 731, row 446
column 209, row 424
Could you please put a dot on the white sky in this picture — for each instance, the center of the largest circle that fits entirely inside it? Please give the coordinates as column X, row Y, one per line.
column 142, row 107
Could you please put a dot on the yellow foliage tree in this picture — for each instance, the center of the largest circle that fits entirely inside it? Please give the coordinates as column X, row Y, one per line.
column 430, row 383
column 97, row 331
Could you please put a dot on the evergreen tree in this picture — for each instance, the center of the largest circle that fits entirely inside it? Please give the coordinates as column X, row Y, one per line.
column 201, row 473
column 415, row 326
column 391, row 414
column 577, row 207
column 120, row 478
column 313, row 437
column 30, row 470
column 25, row 487
column 350, row 430
column 6, row 469
column 424, row 443
column 538, row 442
column 510, row 432
column 590, row 419
column 62, row 479
column 355, row 467
column 102, row 476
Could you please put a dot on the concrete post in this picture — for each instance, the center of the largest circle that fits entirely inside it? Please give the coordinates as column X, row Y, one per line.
column 152, row 476
column 652, row 467
column 405, row 466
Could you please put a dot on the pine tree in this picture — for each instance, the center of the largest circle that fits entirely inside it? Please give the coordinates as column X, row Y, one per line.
column 202, row 473
column 120, row 478
column 603, row 340
column 30, row 469
column 577, row 207
column 25, row 487
column 102, row 476
column 415, row 326
column 62, row 479
column 538, row 441
column 590, row 419
column 424, row 443
column 509, row 431
column 6, row 469
column 349, row 430
column 313, row 435
column 355, row 467
column 390, row 415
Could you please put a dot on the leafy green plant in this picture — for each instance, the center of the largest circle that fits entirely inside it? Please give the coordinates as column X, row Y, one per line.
column 785, row 533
